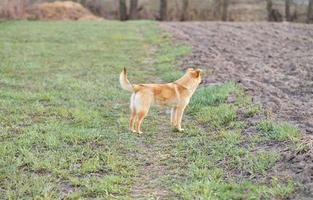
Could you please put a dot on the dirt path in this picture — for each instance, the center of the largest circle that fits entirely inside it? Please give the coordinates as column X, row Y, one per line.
column 149, row 182
column 272, row 61
column 152, row 148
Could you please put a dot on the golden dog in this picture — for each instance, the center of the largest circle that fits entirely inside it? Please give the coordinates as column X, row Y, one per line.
column 176, row 95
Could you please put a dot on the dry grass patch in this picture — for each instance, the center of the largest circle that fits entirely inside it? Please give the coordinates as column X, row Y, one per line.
column 58, row 10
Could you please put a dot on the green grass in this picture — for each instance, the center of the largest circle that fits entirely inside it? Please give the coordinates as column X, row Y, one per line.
column 62, row 110
column 221, row 162
column 281, row 131
column 217, row 117
column 64, row 119
column 211, row 96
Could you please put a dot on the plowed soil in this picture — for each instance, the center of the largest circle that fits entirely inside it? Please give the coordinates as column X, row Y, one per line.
column 272, row 61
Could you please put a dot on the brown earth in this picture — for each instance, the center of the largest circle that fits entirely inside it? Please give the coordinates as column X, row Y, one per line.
column 58, row 10
column 273, row 62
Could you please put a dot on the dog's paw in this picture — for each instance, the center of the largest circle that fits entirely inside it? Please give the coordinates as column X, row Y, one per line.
column 178, row 130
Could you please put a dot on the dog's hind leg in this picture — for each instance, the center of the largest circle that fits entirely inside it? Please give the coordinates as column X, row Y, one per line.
column 142, row 105
column 132, row 121
column 141, row 116
column 133, row 113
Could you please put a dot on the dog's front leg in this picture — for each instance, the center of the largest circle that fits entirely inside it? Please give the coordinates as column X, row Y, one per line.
column 179, row 115
column 173, row 117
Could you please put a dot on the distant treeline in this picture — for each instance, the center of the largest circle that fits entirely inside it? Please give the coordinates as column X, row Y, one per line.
column 182, row 10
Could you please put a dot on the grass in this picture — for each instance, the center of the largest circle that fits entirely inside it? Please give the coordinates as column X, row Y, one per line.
column 217, row 117
column 62, row 110
column 64, row 119
column 222, row 163
column 281, row 131
column 212, row 96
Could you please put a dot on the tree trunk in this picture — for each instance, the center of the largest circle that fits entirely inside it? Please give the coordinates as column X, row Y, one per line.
column 287, row 10
column 216, row 9
column 123, row 10
column 163, row 10
column 310, row 12
column 224, row 9
column 184, row 10
column 269, row 8
column 133, row 14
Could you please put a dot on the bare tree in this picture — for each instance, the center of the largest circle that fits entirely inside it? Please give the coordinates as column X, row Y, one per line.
column 184, row 10
column 287, row 10
column 269, row 8
column 225, row 4
column 216, row 9
column 273, row 14
column 133, row 13
column 163, row 10
column 309, row 18
column 123, row 10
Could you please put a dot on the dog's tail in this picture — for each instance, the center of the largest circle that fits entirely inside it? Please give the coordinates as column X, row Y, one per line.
column 125, row 84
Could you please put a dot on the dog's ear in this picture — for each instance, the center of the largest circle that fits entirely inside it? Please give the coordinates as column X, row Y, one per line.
column 196, row 73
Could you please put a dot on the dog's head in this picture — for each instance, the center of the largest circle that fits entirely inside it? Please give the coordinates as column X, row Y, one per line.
column 195, row 75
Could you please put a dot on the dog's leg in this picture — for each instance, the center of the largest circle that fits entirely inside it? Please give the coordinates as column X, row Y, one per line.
column 180, row 112
column 133, row 113
column 132, row 122
column 142, row 104
column 173, row 117
column 141, row 116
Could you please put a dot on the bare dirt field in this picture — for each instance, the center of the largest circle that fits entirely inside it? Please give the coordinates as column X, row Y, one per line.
column 272, row 61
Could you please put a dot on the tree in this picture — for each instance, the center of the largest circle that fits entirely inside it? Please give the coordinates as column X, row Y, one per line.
column 184, row 10
column 225, row 4
column 216, row 9
column 310, row 12
column 163, row 10
column 269, row 8
column 287, row 10
column 133, row 13
column 273, row 14
column 123, row 10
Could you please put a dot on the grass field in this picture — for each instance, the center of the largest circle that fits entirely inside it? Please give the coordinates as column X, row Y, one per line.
column 64, row 121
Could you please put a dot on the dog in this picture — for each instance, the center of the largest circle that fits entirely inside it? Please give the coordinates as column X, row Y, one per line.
column 176, row 95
